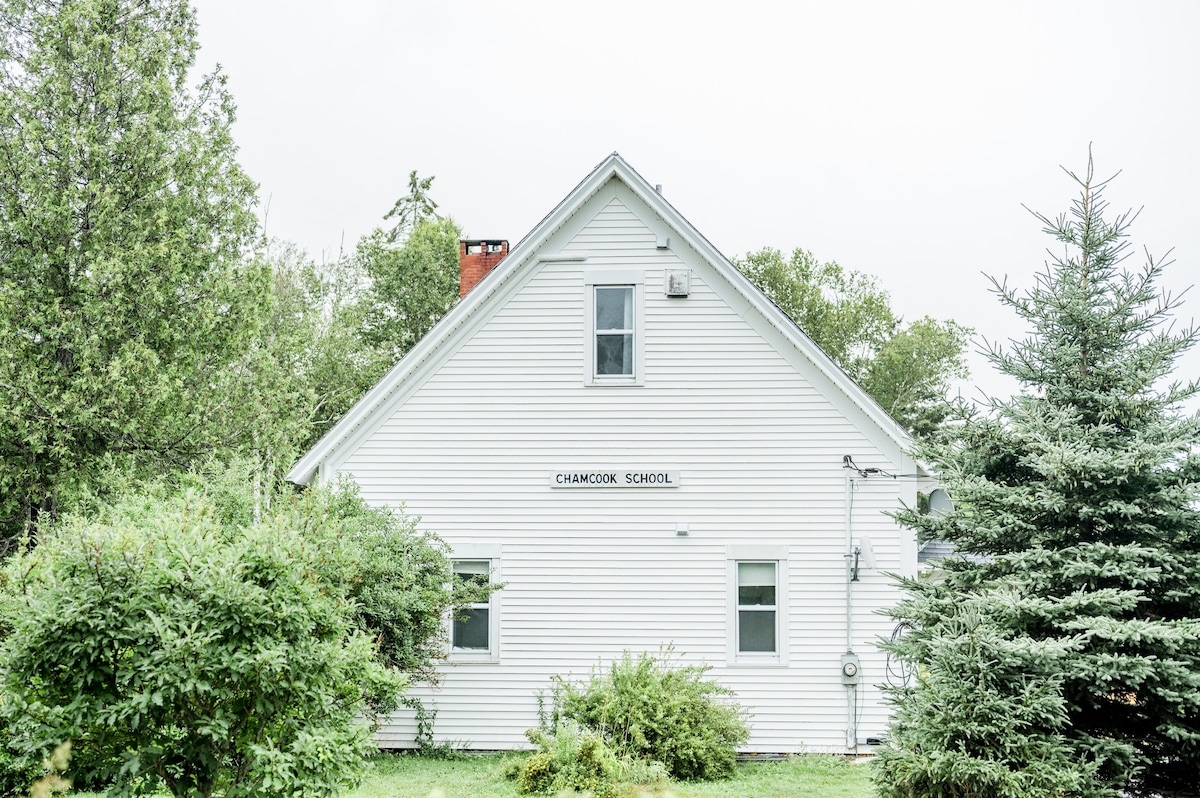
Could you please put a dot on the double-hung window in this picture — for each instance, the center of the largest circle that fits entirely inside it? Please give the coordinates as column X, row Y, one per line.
column 757, row 605
column 614, row 329
column 472, row 624
column 757, row 608
column 473, row 628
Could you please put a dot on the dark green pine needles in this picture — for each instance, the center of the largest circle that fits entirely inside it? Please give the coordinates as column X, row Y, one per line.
column 1066, row 660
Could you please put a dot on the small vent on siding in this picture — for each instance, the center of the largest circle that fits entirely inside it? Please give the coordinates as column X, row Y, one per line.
column 677, row 282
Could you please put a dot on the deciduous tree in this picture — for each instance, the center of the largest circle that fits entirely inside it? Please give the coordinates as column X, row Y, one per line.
column 308, row 363
column 412, row 286
column 125, row 305
column 906, row 368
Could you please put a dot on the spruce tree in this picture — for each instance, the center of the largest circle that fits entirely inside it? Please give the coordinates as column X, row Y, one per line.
column 1077, row 522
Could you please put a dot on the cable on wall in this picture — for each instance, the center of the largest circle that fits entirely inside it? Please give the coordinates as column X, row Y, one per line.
column 898, row 672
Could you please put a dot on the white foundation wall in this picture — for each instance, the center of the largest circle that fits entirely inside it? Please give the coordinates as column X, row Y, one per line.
column 757, row 435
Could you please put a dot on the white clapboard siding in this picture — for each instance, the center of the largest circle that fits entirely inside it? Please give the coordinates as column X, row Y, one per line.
column 756, row 431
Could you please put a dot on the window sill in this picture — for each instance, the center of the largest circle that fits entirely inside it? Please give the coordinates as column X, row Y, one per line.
column 471, row 657
column 773, row 662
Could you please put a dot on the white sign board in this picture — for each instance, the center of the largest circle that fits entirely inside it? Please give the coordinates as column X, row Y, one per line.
column 615, row 478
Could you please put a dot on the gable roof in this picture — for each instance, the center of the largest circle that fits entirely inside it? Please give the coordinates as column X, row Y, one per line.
column 380, row 399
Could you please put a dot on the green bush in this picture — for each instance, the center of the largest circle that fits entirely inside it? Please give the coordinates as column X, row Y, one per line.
column 17, row 772
column 179, row 653
column 401, row 583
column 649, row 708
column 574, row 759
column 398, row 577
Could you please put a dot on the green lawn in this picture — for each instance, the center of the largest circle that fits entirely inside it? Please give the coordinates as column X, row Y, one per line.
column 811, row 776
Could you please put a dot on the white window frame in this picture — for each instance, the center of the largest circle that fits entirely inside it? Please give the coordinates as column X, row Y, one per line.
column 614, row 278
column 491, row 555
column 777, row 556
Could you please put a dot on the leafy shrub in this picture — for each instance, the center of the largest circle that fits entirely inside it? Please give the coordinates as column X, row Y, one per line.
column 648, row 708
column 178, row 652
column 401, row 582
column 398, row 576
column 534, row 775
column 16, row 772
column 572, row 758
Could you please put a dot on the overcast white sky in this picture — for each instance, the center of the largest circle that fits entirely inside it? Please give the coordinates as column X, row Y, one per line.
column 899, row 139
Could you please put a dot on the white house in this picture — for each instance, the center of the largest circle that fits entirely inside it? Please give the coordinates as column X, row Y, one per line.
column 622, row 429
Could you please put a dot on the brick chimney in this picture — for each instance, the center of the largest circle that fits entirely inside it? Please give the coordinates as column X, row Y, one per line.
column 476, row 259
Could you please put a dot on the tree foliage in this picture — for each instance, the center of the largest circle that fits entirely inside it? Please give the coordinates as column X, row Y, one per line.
column 175, row 652
column 397, row 576
column 125, row 307
column 987, row 718
column 413, row 208
column 411, row 286
column 906, row 368
column 188, row 638
column 1081, row 496
column 308, row 363
column 141, row 332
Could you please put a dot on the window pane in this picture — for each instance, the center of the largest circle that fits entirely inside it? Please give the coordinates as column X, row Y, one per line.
column 752, row 595
column 756, row 630
column 756, row 583
column 614, row 308
column 472, row 567
column 471, row 629
column 756, row 573
column 614, row 354
column 472, row 571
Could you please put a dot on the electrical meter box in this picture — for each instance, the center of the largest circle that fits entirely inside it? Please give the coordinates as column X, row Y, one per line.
column 850, row 668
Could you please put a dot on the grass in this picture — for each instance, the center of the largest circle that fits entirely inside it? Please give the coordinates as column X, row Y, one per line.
column 812, row 776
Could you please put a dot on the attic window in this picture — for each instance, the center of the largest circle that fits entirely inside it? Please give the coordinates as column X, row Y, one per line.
column 614, row 328
column 614, row 331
